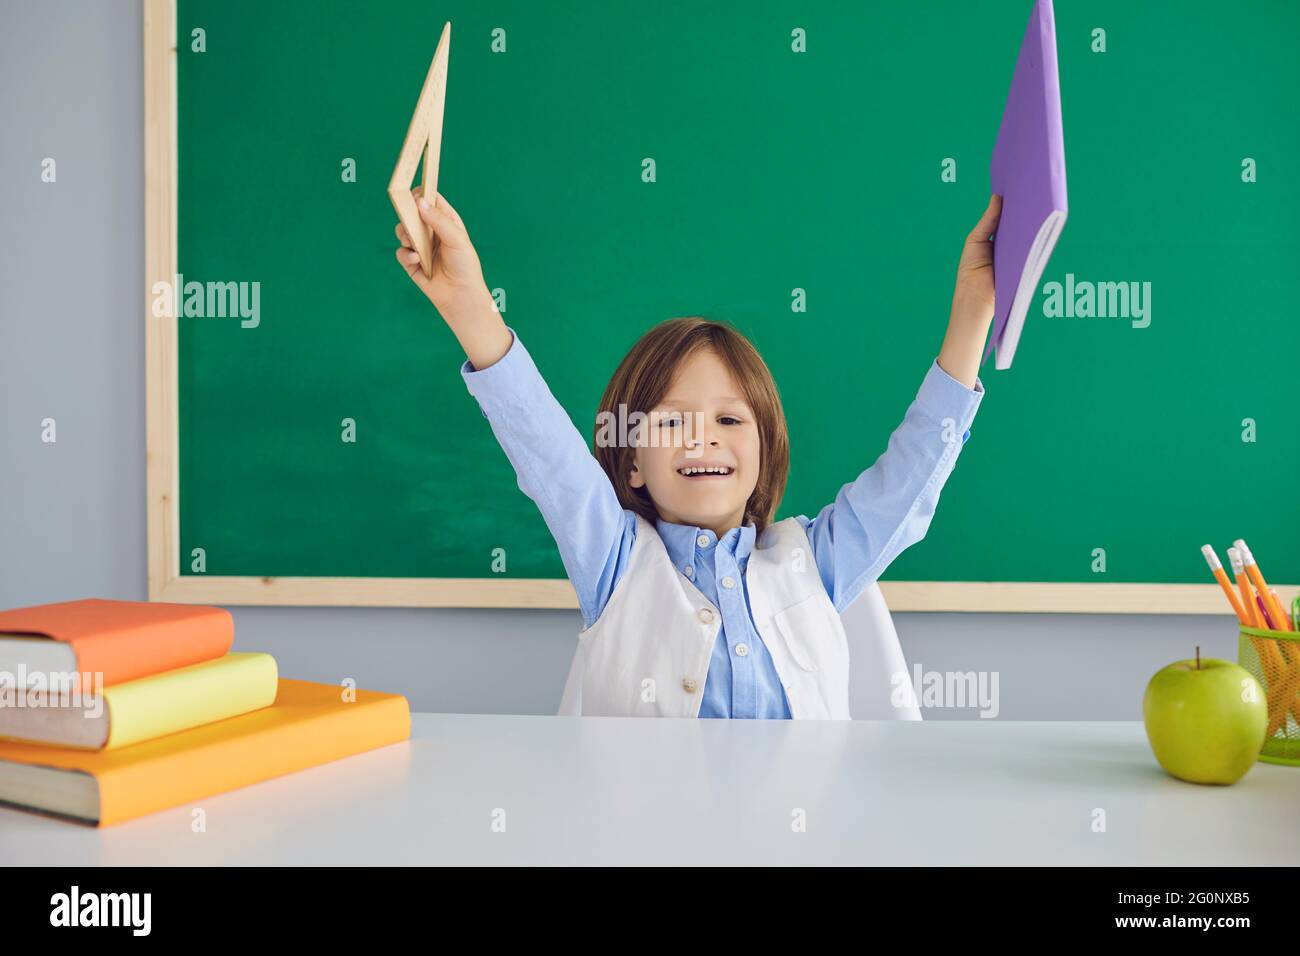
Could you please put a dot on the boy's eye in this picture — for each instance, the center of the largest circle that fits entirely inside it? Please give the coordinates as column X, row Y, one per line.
column 674, row 420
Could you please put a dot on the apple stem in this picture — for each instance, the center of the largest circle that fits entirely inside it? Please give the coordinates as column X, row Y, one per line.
column 1198, row 657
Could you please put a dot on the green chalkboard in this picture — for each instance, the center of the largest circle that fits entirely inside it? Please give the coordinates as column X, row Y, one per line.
column 775, row 170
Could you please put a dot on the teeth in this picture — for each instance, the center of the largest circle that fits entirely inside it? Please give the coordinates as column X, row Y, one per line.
column 711, row 470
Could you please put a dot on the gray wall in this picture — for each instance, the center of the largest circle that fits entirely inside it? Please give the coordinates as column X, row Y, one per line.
column 72, row 524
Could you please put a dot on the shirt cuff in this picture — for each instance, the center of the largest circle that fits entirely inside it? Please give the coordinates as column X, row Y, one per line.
column 504, row 383
column 941, row 397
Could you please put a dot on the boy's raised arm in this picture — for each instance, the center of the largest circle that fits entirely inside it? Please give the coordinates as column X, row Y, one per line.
column 889, row 506
column 557, row 471
column 551, row 459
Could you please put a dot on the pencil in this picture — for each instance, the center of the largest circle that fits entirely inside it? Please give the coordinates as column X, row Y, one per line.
column 1286, row 624
column 1216, row 567
column 1243, row 582
column 1257, row 577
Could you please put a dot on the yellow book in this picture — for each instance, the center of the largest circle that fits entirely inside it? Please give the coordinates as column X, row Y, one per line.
column 139, row 710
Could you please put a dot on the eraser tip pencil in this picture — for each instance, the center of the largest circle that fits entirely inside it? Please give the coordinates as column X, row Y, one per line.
column 1216, row 567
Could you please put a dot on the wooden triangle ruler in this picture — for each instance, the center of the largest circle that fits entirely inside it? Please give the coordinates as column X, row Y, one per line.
column 424, row 135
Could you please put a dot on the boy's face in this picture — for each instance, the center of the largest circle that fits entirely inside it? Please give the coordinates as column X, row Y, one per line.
column 702, row 421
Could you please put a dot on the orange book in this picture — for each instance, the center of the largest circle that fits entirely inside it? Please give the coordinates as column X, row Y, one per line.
column 122, row 640
column 309, row 724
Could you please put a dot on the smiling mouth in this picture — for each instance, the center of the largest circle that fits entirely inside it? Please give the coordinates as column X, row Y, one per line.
column 706, row 474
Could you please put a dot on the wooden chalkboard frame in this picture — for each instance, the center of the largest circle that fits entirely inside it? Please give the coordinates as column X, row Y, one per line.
column 161, row 397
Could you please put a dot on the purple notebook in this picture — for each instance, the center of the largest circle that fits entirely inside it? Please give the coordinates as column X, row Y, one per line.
column 1028, row 172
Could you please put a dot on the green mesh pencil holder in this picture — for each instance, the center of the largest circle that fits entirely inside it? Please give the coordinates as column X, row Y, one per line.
column 1273, row 657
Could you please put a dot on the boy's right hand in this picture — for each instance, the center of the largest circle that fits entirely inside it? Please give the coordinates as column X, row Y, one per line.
column 456, row 287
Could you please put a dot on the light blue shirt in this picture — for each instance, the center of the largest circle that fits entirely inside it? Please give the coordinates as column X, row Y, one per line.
column 854, row 538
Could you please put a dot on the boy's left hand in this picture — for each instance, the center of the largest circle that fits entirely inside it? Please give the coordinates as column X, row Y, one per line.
column 972, row 300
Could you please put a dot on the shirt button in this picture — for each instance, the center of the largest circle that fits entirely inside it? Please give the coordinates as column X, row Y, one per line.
column 689, row 685
column 728, row 582
column 702, row 541
column 706, row 615
column 689, row 569
column 742, row 649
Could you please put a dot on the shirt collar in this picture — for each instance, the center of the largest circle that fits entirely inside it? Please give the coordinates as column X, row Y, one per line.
column 684, row 542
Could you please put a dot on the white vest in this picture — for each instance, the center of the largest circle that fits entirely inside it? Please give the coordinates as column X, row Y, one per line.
column 648, row 653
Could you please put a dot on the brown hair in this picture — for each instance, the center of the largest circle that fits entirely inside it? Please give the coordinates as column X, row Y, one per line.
column 642, row 380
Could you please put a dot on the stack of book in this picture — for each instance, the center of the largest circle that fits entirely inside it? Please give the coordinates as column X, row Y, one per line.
column 110, row 710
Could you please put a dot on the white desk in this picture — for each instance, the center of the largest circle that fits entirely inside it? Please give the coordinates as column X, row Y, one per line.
column 658, row 791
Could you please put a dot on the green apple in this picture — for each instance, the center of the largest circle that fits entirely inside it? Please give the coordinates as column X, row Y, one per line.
column 1205, row 719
